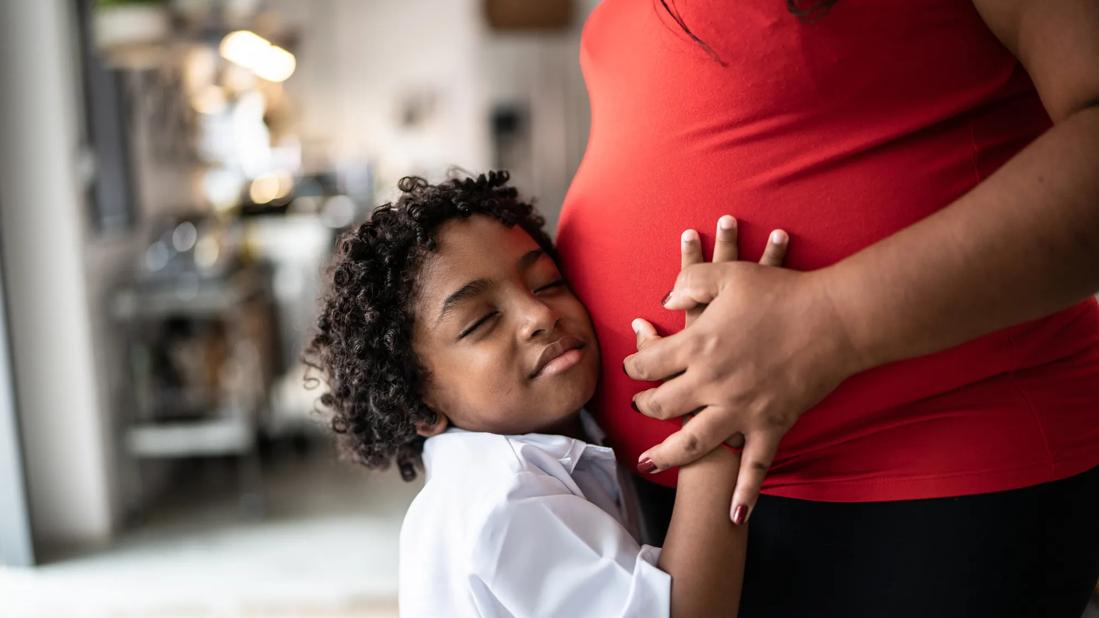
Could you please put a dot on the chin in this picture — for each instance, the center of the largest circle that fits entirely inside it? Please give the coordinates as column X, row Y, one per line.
column 562, row 397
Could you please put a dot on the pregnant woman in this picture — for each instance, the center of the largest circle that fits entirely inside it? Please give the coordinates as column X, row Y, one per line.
column 919, row 390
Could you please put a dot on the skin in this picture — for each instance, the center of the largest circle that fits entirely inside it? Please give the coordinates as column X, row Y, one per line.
column 480, row 382
column 1022, row 244
column 479, row 355
column 703, row 550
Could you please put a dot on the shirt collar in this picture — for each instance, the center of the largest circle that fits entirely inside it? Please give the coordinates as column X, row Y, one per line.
column 592, row 430
column 568, row 451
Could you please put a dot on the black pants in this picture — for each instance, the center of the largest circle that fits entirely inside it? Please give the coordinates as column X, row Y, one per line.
column 1027, row 552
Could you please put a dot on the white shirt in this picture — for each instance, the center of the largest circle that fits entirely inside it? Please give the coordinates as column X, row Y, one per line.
column 530, row 525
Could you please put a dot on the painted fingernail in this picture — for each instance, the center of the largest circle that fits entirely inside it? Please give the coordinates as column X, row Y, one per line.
column 633, row 404
column 665, row 301
column 646, row 466
column 778, row 237
column 689, row 236
column 726, row 223
column 740, row 514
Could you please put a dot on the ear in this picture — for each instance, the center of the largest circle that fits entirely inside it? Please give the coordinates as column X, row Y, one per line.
column 439, row 426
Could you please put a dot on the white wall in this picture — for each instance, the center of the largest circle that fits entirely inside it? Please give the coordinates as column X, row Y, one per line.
column 65, row 435
column 356, row 59
column 543, row 71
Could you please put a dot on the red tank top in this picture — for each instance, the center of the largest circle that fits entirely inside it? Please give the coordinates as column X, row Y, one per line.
column 841, row 132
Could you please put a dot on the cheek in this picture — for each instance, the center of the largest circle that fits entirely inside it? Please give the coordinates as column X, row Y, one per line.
column 480, row 377
column 576, row 311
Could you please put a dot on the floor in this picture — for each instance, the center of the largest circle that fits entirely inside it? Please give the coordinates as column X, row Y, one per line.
column 325, row 548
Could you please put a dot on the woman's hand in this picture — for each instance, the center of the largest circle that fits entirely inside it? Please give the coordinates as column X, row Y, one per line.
column 766, row 346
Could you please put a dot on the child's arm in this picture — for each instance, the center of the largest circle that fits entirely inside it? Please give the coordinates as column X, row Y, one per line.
column 703, row 550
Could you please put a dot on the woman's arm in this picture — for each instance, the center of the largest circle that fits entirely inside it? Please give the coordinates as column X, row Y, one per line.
column 1020, row 245
column 703, row 550
column 1023, row 243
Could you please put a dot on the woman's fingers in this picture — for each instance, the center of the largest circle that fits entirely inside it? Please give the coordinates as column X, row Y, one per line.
column 690, row 249
column 725, row 249
column 701, row 434
column 775, row 252
column 759, row 452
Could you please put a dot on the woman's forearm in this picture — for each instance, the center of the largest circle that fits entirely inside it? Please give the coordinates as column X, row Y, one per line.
column 703, row 551
column 1022, row 244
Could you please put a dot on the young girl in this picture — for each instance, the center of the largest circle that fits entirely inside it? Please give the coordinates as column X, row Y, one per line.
column 449, row 337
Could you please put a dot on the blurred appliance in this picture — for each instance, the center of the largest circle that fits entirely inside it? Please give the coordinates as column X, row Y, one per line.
column 201, row 341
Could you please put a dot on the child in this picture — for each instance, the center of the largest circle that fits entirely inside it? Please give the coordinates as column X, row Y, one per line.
column 449, row 337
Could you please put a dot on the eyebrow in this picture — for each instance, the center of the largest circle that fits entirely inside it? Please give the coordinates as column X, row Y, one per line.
column 479, row 286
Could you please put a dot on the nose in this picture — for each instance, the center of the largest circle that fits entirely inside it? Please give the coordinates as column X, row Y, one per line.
column 538, row 320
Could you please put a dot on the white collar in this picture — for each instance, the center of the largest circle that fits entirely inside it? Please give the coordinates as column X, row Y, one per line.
column 568, row 451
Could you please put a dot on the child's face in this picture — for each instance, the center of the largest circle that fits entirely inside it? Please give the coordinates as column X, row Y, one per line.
column 492, row 310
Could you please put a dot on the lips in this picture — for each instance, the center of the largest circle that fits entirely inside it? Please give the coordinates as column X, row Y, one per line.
column 553, row 350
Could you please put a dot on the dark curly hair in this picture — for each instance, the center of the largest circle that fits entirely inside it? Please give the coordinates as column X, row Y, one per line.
column 363, row 340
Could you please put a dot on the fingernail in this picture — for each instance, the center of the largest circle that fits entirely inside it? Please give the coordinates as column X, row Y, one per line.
column 740, row 514
column 778, row 237
column 636, row 326
column 646, row 466
column 665, row 301
column 633, row 404
column 726, row 223
column 689, row 236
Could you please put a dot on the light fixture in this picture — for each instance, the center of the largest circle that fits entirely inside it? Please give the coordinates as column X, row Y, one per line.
column 258, row 55
column 270, row 187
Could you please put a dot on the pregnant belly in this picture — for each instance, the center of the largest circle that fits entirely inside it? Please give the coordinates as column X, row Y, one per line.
column 620, row 253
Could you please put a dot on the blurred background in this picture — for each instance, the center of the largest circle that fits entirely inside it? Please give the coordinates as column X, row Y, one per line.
column 173, row 174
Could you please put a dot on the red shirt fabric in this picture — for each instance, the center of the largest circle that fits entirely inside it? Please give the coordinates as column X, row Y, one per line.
column 841, row 132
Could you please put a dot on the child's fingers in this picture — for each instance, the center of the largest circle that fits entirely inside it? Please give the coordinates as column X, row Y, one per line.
column 645, row 333
column 775, row 252
column 725, row 245
column 691, row 251
column 690, row 248
column 692, row 315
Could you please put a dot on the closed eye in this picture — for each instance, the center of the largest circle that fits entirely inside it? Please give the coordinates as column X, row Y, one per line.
column 557, row 283
column 552, row 284
column 478, row 324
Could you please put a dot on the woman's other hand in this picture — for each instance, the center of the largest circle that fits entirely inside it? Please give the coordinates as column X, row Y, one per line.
column 761, row 345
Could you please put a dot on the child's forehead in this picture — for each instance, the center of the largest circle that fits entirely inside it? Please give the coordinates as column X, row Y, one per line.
column 481, row 238
column 478, row 248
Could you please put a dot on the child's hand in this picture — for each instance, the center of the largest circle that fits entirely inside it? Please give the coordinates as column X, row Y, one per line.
column 725, row 250
column 769, row 346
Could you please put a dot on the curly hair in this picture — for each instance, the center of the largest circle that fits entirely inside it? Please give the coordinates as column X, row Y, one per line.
column 362, row 345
